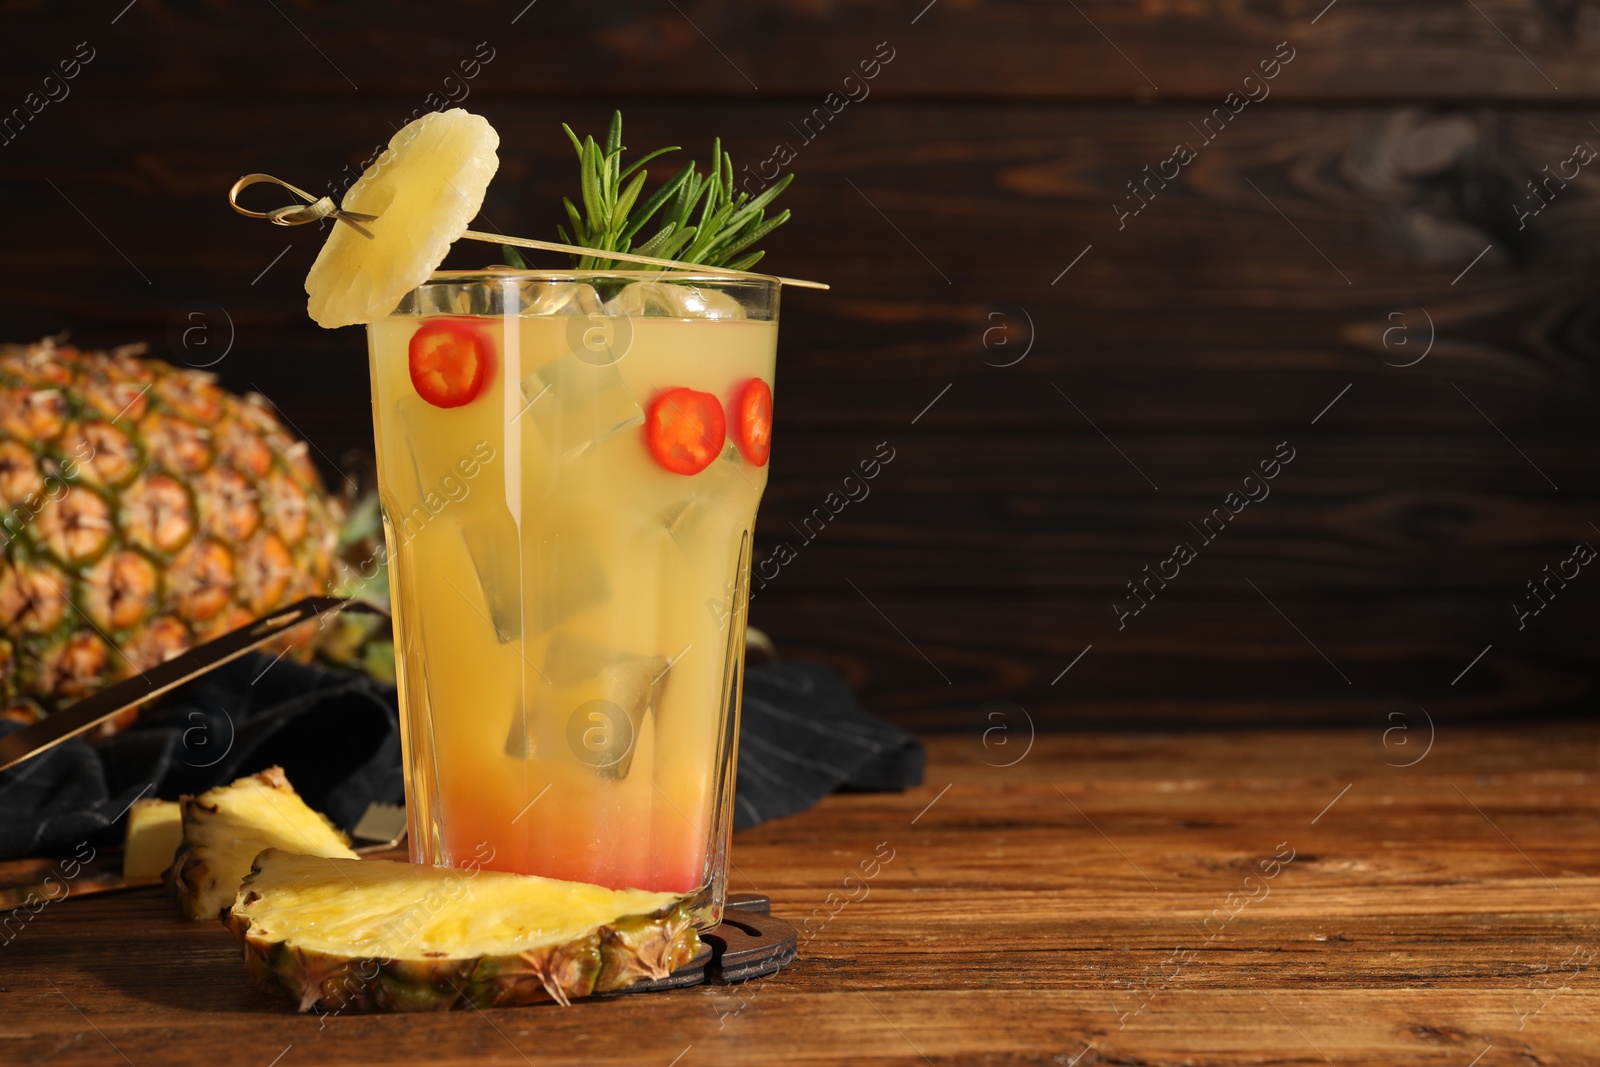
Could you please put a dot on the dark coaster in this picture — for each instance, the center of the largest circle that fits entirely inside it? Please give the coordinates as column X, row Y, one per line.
column 748, row 943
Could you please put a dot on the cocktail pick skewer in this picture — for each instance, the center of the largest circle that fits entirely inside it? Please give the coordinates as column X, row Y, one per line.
column 673, row 264
column 316, row 209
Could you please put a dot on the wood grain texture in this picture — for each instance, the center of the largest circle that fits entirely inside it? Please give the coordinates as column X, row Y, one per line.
column 943, row 662
column 1364, row 213
column 1101, row 891
column 1400, row 198
column 1008, row 50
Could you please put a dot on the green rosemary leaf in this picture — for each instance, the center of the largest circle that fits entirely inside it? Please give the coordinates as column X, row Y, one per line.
column 614, row 134
column 653, row 246
column 591, row 182
column 696, row 217
column 738, row 243
column 642, row 215
column 670, row 249
column 708, row 233
column 610, row 167
column 713, row 184
column 746, row 263
column 636, row 164
column 619, row 214
column 577, row 145
column 756, row 206
column 513, row 258
column 683, row 204
column 740, row 224
column 576, row 220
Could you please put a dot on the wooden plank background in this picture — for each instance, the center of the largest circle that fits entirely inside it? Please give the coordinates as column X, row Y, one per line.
column 1363, row 213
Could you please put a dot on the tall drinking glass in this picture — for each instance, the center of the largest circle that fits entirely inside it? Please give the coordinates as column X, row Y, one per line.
column 569, row 465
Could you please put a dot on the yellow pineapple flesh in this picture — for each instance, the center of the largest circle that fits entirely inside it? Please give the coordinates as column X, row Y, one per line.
column 143, row 510
column 226, row 827
column 155, row 830
column 373, row 935
column 422, row 192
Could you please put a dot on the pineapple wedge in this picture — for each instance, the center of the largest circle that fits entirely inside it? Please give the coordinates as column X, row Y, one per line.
column 424, row 189
column 225, row 828
column 155, row 830
column 374, row 935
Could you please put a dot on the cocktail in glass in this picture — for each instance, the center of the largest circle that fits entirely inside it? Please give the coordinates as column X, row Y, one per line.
column 569, row 466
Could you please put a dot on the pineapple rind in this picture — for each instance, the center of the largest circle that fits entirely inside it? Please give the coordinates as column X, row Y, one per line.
column 290, row 950
column 638, row 952
column 225, row 828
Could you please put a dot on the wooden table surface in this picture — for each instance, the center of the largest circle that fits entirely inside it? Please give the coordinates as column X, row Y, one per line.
column 1125, row 899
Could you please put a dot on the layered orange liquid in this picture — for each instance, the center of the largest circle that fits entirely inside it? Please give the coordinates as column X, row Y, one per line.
column 569, row 613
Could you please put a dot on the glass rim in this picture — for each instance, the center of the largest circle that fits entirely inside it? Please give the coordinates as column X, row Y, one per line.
column 710, row 276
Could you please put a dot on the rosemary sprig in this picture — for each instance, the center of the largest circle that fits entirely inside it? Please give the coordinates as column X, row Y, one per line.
column 702, row 218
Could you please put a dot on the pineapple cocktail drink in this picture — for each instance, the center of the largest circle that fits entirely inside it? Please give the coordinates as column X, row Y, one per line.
column 569, row 467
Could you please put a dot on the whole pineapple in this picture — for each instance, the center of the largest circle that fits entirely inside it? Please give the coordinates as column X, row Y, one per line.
column 145, row 510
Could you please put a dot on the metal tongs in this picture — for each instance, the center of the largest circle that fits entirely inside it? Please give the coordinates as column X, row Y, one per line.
column 88, row 713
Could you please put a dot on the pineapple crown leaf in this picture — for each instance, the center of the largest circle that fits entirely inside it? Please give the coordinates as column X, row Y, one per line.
column 699, row 218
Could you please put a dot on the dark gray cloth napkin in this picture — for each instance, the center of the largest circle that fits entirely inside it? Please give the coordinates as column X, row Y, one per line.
column 337, row 736
column 803, row 736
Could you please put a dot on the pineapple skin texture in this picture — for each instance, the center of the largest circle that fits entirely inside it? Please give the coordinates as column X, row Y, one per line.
column 605, row 959
column 143, row 510
column 226, row 827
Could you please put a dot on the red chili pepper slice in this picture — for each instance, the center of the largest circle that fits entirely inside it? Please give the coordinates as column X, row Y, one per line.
column 451, row 361
column 685, row 430
column 752, row 420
